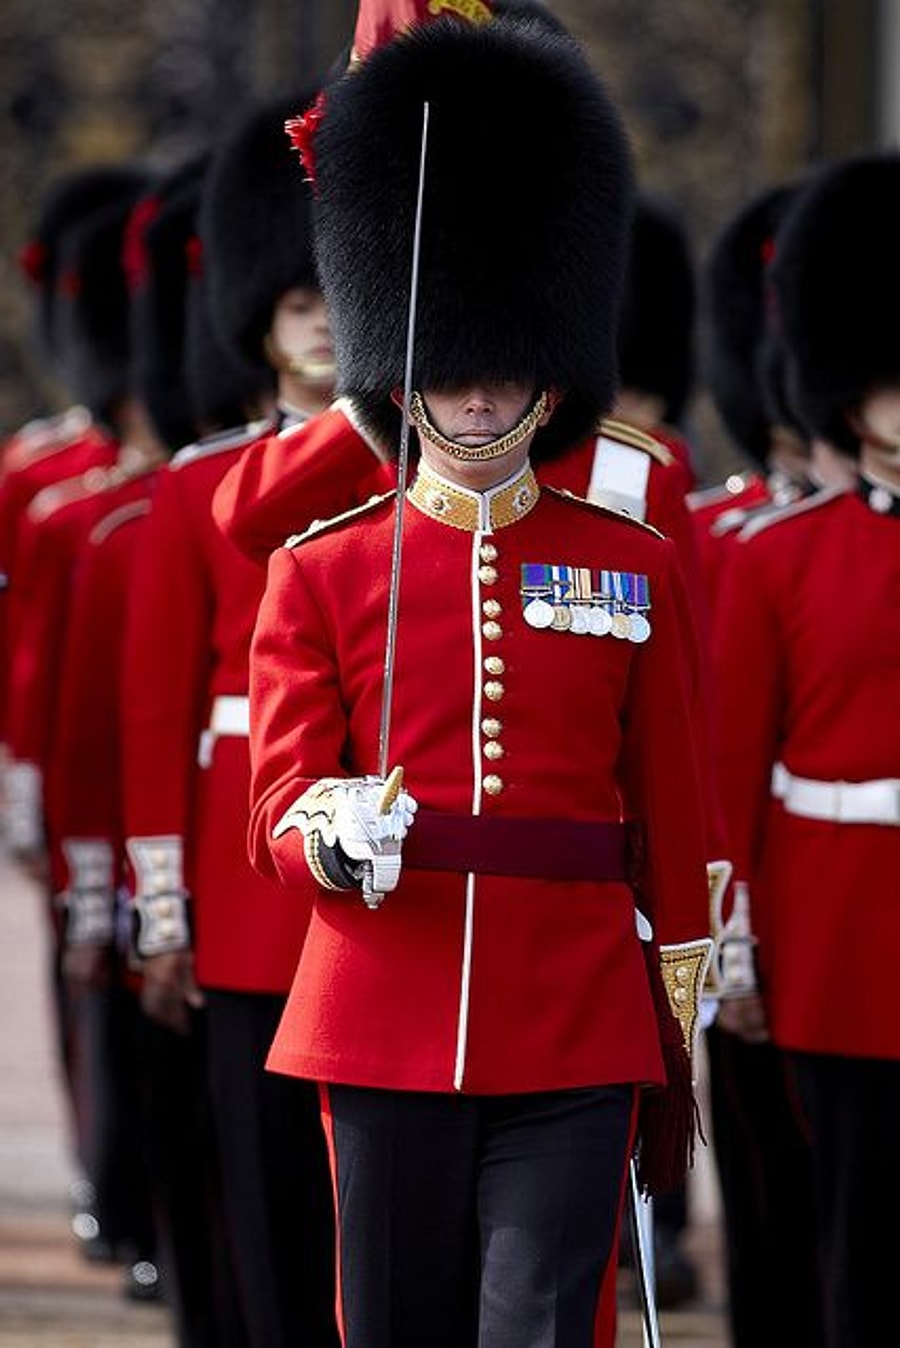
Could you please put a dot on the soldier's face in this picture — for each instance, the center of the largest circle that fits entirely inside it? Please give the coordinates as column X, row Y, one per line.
column 474, row 416
column 878, row 424
column 300, row 337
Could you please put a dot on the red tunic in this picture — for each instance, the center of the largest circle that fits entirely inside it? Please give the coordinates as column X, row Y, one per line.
column 84, row 786
column 194, row 601
column 808, row 667
column 65, row 447
column 484, row 984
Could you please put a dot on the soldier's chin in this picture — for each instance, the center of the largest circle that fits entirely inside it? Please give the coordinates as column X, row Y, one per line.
column 312, row 371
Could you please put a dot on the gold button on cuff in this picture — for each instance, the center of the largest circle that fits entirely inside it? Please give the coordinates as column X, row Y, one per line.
column 487, row 575
column 494, row 665
column 487, row 552
column 493, row 785
column 492, row 608
column 492, row 631
column 493, row 750
column 491, row 727
column 494, row 690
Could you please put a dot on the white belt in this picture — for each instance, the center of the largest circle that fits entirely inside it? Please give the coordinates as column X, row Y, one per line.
column 229, row 716
column 875, row 802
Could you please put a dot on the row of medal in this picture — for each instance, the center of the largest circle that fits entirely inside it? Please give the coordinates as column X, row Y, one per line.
column 586, row 601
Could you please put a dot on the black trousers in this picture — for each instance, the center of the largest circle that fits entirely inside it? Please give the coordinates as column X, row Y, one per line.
column 276, row 1185
column 853, row 1106
column 476, row 1221
column 764, row 1167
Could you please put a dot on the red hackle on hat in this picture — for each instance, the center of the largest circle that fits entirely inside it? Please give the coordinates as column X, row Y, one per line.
column 301, row 131
column 378, row 21
column 33, row 261
column 135, row 261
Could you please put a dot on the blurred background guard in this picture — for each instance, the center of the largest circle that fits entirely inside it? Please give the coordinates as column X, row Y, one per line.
column 155, row 1107
column 211, row 930
column 811, row 757
column 49, row 532
column 760, row 1146
column 52, row 448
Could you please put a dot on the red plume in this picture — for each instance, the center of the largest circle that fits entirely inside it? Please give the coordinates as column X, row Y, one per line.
column 301, row 132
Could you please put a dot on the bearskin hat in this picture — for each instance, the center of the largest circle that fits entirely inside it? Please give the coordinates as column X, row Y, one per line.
column 256, row 230
column 656, row 331
column 159, row 284
column 527, row 202
column 837, row 287
column 743, row 359
column 68, row 200
column 96, row 346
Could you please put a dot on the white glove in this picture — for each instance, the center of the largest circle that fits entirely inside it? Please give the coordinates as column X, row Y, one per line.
column 353, row 828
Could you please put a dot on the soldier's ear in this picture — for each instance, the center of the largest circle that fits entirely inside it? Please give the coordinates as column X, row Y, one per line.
column 397, row 397
column 554, row 398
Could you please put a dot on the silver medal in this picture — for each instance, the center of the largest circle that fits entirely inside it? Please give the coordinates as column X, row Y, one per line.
column 538, row 613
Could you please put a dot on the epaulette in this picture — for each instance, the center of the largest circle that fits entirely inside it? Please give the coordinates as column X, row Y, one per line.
column 791, row 511
column 53, row 497
column 734, row 485
column 613, row 429
column 123, row 514
column 43, row 438
column 219, row 441
column 318, row 527
column 599, row 509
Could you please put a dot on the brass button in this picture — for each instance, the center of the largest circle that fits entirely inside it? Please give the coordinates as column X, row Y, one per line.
column 491, row 727
column 493, row 785
column 494, row 690
column 487, row 552
column 494, row 665
column 487, row 575
column 492, row 631
column 492, row 608
column 493, row 750
column 680, row 996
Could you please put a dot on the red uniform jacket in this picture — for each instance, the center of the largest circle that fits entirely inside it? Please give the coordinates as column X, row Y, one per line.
column 65, row 447
column 710, row 508
column 283, row 481
column 84, row 785
column 808, row 666
column 194, row 599
column 480, row 983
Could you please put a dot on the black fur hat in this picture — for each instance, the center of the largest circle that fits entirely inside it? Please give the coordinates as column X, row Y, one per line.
column 256, row 229
column 743, row 362
column 159, row 306
column 97, row 352
column 527, row 208
column 836, row 277
column 656, row 332
column 67, row 201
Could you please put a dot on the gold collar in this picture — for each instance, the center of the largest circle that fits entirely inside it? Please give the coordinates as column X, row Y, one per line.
column 474, row 510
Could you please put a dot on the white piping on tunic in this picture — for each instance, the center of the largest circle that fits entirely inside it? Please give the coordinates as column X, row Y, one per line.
column 466, row 972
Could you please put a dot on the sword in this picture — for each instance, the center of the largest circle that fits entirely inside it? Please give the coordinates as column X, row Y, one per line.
column 390, row 651
column 642, row 1241
column 394, row 782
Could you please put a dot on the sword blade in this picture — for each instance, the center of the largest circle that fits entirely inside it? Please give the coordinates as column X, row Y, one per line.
column 390, row 650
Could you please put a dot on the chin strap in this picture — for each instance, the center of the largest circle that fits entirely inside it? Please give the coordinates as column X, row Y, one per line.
column 494, row 449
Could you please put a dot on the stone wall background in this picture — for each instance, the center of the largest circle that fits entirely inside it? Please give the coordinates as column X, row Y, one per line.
column 721, row 97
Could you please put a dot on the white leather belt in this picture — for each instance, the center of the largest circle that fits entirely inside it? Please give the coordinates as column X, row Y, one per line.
column 875, row 802
column 229, row 716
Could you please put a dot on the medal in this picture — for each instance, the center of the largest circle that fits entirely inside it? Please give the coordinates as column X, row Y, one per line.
column 580, row 619
column 621, row 626
column 538, row 613
column 599, row 622
column 638, row 628
column 562, row 618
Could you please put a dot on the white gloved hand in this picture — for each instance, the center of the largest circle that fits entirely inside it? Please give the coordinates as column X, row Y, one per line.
column 353, row 829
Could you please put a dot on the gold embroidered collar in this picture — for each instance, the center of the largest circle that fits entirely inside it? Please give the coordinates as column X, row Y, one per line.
column 473, row 511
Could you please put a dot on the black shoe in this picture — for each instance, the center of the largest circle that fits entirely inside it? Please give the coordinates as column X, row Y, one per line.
column 676, row 1278
column 142, row 1281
